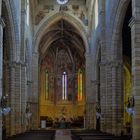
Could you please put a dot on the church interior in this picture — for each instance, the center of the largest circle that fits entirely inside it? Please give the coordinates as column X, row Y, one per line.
column 69, row 69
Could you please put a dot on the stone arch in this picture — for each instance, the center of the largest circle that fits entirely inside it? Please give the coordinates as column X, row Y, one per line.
column 11, row 47
column 117, row 56
column 47, row 22
column 14, row 29
column 118, row 24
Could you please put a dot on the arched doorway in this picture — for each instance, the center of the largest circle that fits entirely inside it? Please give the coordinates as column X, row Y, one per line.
column 127, row 74
column 62, row 76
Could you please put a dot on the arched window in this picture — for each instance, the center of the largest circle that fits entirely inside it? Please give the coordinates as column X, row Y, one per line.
column 80, row 85
column 46, row 85
column 96, row 13
column 28, row 12
column 64, row 86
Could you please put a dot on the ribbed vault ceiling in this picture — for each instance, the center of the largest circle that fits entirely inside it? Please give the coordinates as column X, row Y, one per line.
column 62, row 35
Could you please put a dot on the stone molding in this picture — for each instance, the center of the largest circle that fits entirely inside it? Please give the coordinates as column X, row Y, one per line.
column 14, row 64
column 114, row 63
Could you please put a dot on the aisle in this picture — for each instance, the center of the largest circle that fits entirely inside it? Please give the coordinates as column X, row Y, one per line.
column 63, row 135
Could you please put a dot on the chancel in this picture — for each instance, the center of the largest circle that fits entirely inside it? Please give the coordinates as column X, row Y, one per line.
column 69, row 69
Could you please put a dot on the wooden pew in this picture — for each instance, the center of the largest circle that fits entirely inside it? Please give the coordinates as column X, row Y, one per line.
column 95, row 135
column 34, row 135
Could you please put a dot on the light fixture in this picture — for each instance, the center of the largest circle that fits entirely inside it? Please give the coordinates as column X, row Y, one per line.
column 4, row 109
column 62, row 2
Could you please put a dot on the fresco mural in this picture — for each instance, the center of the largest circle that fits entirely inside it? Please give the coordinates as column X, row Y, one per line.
column 62, row 77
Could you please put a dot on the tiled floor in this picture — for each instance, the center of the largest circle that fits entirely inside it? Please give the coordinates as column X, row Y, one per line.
column 63, row 135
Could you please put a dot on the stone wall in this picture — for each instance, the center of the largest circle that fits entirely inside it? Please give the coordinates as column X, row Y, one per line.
column 107, row 36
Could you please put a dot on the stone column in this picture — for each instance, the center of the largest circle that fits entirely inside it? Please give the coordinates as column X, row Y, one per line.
column 103, row 95
column 23, row 96
column 103, row 63
column 95, row 91
column 116, row 107
column 2, row 25
column 12, row 98
column 89, row 95
column 135, row 38
column 17, row 98
column 35, row 95
column 23, row 66
column 108, row 98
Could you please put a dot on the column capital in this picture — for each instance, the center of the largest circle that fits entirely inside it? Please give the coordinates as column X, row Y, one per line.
column 17, row 63
column 2, row 22
column 113, row 63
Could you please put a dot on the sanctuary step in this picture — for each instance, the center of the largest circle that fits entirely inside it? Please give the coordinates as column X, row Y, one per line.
column 63, row 134
column 95, row 135
column 34, row 135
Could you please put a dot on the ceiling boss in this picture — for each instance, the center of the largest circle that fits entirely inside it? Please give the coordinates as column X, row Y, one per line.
column 62, row 2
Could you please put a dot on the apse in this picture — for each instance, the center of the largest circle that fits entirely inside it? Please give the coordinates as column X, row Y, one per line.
column 62, row 72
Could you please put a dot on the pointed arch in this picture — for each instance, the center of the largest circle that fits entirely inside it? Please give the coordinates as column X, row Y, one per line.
column 118, row 25
column 15, row 50
column 49, row 21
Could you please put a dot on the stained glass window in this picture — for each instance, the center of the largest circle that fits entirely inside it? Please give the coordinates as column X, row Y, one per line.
column 80, row 85
column 96, row 13
column 47, row 85
column 64, row 86
column 28, row 12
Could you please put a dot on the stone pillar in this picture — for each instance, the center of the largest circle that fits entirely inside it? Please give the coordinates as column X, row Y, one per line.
column 103, row 95
column 12, row 98
column 95, row 91
column 18, row 98
column 89, row 95
column 103, row 74
column 116, row 107
column 34, row 97
column 111, row 97
column 23, row 66
column 1, row 63
column 23, row 97
column 108, row 98
column 135, row 38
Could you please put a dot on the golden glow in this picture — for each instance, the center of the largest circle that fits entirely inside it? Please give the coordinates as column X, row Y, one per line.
column 54, row 111
column 127, row 93
column 80, row 85
column 48, row 108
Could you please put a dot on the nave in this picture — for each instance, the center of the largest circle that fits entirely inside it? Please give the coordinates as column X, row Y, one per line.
column 69, row 64
column 65, row 134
